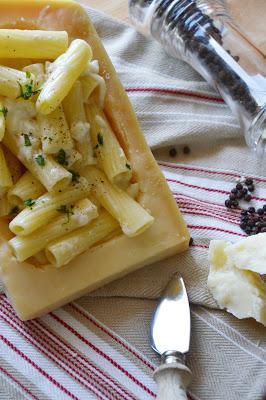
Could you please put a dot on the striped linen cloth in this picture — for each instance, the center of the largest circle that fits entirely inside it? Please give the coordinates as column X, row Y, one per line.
column 97, row 347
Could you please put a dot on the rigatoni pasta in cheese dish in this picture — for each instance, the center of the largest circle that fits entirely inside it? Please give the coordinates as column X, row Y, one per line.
column 82, row 200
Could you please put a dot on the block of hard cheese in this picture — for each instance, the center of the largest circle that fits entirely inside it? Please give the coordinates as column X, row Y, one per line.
column 237, row 289
column 34, row 291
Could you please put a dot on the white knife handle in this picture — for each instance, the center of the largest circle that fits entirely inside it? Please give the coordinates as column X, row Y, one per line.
column 172, row 379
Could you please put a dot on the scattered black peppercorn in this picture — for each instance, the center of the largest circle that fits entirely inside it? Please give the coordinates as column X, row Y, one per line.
column 186, row 150
column 260, row 211
column 247, row 197
column 172, row 152
column 239, row 186
column 232, row 196
column 248, row 181
column 228, row 203
column 251, row 210
column 251, row 188
column 191, row 240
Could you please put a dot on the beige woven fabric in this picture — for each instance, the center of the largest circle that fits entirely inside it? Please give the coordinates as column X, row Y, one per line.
column 228, row 356
column 176, row 107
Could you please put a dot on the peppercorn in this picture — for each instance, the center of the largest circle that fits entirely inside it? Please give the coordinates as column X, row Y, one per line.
column 244, row 212
column 244, row 191
column 232, row 196
column 243, row 226
column 234, row 203
column 251, row 210
column 234, row 191
column 172, row 152
column 263, row 230
column 228, row 203
column 248, row 181
column 260, row 211
column 239, row 194
column 186, row 150
column 247, row 197
column 239, row 186
column 251, row 188
column 191, row 240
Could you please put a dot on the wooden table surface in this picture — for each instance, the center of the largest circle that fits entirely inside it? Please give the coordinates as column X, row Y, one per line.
column 249, row 13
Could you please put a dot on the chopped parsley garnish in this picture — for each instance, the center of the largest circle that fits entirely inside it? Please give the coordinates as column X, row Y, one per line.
column 66, row 210
column 27, row 141
column 61, row 157
column 40, row 160
column 75, row 175
column 27, row 90
column 29, row 202
column 4, row 111
column 28, row 74
column 128, row 166
column 100, row 139
column 14, row 210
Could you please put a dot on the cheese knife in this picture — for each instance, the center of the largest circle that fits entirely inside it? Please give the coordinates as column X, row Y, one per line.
column 170, row 338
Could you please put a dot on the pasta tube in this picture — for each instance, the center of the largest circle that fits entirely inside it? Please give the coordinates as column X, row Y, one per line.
column 133, row 190
column 46, row 207
column 16, row 43
column 88, row 85
column 110, row 155
column 63, row 250
column 79, row 127
column 54, row 130
column 132, row 217
column 65, row 71
column 38, row 71
column 26, row 246
column 3, row 112
column 5, row 175
column 52, row 175
column 27, row 187
column 15, row 83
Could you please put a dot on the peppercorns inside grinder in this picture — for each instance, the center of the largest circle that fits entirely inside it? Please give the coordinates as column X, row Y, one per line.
column 202, row 33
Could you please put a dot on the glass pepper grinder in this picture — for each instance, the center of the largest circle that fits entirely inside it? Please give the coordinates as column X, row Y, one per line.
column 203, row 34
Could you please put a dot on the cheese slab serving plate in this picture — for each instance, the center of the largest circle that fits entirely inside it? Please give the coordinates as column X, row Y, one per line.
column 35, row 290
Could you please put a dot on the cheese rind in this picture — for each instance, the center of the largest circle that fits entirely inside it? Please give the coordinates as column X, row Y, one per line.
column 35, row 290
column 240, row 292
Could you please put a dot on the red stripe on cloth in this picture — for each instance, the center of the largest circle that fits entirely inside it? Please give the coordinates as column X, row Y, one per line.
column 197, row 186
column 34, row 365
column 219, row 206
column 118, row 340
column 184, row 211
column 45, row 350
column 209, row 189
column 231, row 213
column 178, row 92
column 211, row 228
column 223, row 211
column 207, row 170
column 200, row 246
column 109, row 333
column 84, row 359
column 102, row 354
column 17, row 382
column 231, row 219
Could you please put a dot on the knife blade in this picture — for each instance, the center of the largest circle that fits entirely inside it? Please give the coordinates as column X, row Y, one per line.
column 170, row 338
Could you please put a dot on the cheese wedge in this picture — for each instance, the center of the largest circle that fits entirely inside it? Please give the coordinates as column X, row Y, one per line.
column 249, row 253
column 240, row 292
column 35, row 290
